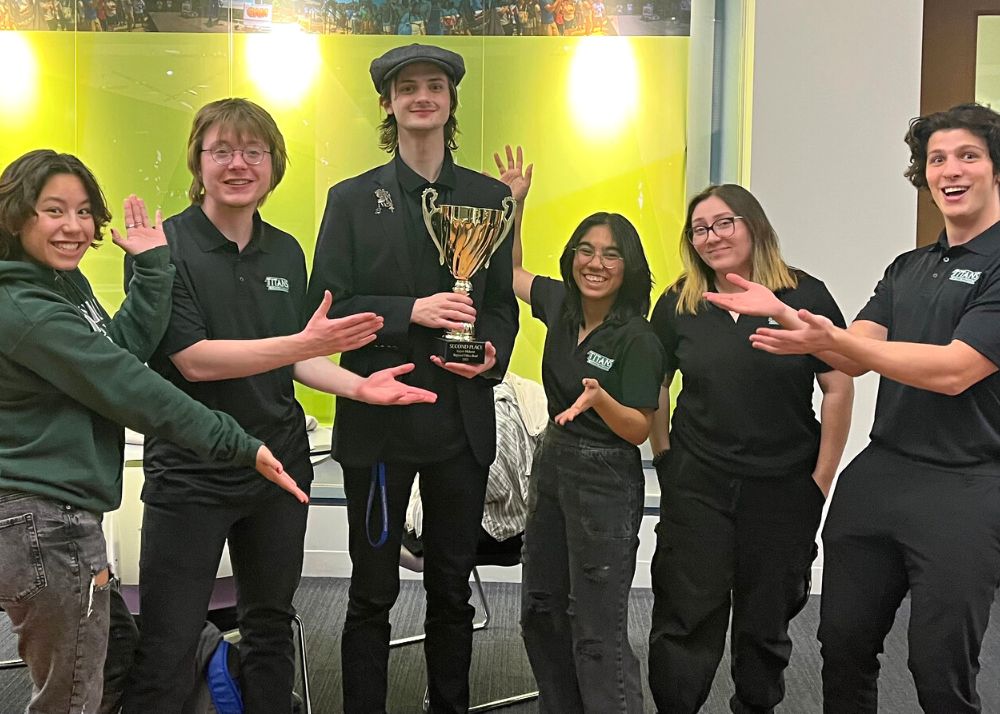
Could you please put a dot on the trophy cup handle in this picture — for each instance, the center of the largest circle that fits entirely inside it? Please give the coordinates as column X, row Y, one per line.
column 428, row 206
column 509, row 206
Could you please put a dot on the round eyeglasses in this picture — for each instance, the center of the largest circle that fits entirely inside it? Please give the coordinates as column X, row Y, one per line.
column 223, row 155
column 723, row 228
column 609, row 259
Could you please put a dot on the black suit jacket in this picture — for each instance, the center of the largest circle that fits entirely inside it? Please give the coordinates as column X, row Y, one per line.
column 363, row 257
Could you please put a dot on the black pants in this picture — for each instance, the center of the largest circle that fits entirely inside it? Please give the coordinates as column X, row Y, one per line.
column 896, row 526
column 726, row 541
column 181, row 548
column 452, row 493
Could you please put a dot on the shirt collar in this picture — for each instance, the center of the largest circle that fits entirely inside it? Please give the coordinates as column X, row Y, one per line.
column 210, row 238
column 412, row 182
column 986, row 243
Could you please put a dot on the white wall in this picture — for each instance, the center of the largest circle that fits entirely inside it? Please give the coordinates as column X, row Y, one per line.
column 835, row 85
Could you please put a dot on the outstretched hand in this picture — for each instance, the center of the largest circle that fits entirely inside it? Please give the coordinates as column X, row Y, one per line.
column 514, row 174
column 382, row 388
column 469, row 370
column 754, row 300
column 270, row 468
column 592, row 391
column 141, row 234
column 343, row 334
column 816, row 335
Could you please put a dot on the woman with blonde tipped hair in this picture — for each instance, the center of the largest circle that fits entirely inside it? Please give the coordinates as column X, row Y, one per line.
column 743, row 464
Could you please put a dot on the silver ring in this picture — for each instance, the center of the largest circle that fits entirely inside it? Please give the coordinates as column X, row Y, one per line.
column 130, row 225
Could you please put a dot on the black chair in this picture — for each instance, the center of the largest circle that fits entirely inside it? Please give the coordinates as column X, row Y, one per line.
column 222, row 613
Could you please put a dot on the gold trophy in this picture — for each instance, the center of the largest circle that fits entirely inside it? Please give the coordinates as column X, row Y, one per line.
column 466, row 237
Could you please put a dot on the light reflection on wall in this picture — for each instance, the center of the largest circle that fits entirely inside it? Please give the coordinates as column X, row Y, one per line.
column 18, row 88
column 283, row 63
column 603, row 85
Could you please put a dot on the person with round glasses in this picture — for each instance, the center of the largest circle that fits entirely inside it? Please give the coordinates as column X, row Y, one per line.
column 601, row 369
column 743, row 464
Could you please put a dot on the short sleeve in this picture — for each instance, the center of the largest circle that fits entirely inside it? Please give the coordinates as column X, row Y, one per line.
column 547, row 296
column 879, row 306
column 815, row 297
column 187, row 323
column 664, row 324
column 642, row 370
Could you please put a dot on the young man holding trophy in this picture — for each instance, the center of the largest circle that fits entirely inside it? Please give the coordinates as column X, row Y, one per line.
column 383, row 245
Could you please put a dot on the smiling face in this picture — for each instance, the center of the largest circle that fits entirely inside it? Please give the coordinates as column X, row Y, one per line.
column 419, row 99
column 595, row 280
column 732, row 254
column 237, row 185
column 63, row 226
column 962, row 181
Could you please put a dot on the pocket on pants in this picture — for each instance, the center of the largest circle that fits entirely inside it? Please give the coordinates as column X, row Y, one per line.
column 610, row 498
column 22, row 573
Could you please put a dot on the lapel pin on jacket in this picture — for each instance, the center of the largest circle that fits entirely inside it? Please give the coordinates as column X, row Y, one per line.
column 384, row 201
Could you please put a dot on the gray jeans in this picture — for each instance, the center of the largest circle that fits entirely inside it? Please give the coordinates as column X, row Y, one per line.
column 584, row 508
column 49, row 555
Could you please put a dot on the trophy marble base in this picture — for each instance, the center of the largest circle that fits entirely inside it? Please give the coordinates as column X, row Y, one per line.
column 463, row 351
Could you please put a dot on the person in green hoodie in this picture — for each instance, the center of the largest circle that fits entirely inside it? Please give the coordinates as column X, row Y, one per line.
column 70, row 376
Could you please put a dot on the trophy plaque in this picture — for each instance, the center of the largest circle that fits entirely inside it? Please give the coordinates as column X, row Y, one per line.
column 466, row 238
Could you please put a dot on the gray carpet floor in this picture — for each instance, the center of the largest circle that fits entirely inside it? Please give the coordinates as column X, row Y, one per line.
column 500, row 667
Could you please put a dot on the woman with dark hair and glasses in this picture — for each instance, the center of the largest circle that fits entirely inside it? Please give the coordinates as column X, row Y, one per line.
column 601, row 369
column 745, row 468
column 70, row 375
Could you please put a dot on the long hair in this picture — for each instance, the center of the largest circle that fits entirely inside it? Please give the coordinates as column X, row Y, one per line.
column 637, row 279
column 388, row 131
column 767, row 266
column 974, row 118
column 247, row 121
column 22, row 182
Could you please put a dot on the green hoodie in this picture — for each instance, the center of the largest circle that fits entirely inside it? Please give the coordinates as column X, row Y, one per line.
column 65, row 387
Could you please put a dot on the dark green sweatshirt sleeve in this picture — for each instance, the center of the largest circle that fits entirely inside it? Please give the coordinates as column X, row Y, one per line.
column 61, row 348
column 139, row 324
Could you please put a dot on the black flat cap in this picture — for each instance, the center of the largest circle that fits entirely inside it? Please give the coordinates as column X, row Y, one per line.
column 382, row 68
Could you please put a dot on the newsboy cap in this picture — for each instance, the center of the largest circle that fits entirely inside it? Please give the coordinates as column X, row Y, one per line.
column 382, row 68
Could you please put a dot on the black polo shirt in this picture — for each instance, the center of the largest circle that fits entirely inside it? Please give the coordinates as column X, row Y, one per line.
column 223, row 294
column 624, row 357
column 934, row 295
column 418, row 436
column 741, row 410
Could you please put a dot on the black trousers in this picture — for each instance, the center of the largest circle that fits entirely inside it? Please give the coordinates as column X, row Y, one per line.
column 452, row 492
column 179, row 558
column 724, row 541
column 896, row 526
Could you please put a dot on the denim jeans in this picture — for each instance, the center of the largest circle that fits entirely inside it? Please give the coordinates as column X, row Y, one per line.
column 49, row 555
column 584, row 508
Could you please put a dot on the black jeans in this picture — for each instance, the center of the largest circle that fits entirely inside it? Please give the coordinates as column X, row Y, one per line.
column 896, row 526
column 452, row 493
column 724, row 541
column 580, row 541
column 181, row 548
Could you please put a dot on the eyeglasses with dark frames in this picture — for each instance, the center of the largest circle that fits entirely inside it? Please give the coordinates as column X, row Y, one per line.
column 723, row 227
column 224, row 154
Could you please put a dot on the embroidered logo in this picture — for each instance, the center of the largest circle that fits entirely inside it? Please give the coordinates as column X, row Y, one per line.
column 384, row 201
column 279, row 285
column 600, row 361
column 92, row 314
column 970, row 277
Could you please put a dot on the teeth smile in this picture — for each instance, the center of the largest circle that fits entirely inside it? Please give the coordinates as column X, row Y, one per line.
column 954, row 190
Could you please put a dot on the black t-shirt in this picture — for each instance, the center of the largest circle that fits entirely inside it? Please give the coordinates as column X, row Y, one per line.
column 222, row 294
column 624, row 357
column 741, row 410
column 934, row 295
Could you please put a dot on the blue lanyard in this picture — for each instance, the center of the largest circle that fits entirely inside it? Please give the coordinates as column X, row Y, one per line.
column 378, row 481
